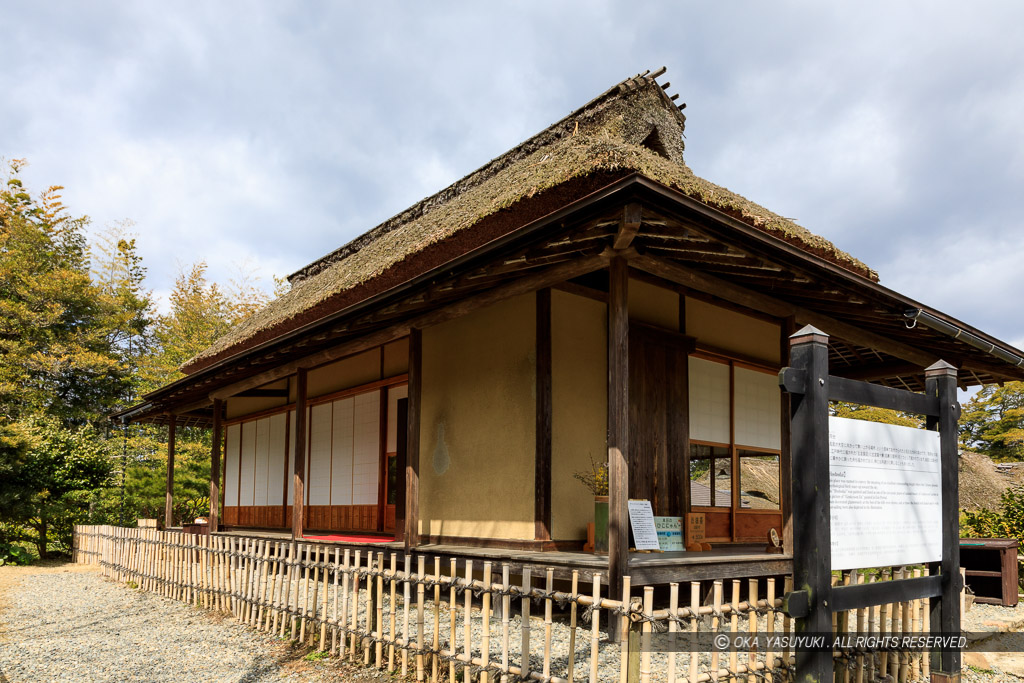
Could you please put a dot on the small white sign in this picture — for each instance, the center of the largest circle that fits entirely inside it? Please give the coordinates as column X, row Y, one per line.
column 886, row 494
column 641, row 519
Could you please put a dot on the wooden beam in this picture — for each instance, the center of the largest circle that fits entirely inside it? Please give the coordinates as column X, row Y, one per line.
column 618, row 428
column 299, row 457
column 762, row 302
column 546, row 278
column 172, row 421
column 263, row 393
column 542, row 455
column 629, row 226
column 218, row 412
column 412, row 446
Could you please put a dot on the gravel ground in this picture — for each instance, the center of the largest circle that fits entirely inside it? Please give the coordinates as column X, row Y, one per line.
column 67, row 623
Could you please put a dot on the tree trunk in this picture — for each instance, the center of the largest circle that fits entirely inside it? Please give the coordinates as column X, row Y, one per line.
column 41, row 540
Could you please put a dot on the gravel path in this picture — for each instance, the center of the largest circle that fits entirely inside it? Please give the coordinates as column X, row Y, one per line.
column 67, row 623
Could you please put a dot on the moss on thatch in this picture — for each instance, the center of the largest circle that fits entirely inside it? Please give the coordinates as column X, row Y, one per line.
column 634, row 129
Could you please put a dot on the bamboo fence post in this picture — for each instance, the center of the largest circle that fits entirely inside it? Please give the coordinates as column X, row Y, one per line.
column 873, row 629
column 915, row 607
column 393, row 614
column 420, row 638
column 337, row 586
column 435, row 663
column 549, row 586
column 304, row 604
column 858, row 578
column 277, row 592
column 325, row 596
column 343, row 633
column 595, row 626
column 379, row 646
column 485, row 615
column 370, row 604
column 467, row 622
column 734, row 619
column 406, row 598
column 769, row 657
column 524, row 653
column 904, row 659
column 234, row 575
column 786, row 625
column 717, row 593
column 752, row 621
column 926, row 627
column 314, row 603
column 245, row 580
column 261, row 585
column 624, row 632
column 571, row 674
column 645, row 651
column 694, row 668
column 353, row 637
column 453, row 612
column 287, row 616
column 506, row 608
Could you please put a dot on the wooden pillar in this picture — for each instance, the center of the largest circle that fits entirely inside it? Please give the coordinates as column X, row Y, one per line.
column 618, row 426
column 172, row 421
column 218, row 413
column 940, row 381
column 542, row 455
column 412, row 446
column 299, row 459
column 812, row 549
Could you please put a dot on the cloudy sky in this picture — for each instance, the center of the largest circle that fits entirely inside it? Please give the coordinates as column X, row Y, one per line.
column 261, row 135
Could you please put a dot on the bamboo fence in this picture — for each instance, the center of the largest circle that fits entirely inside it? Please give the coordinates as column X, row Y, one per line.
column 359, row 605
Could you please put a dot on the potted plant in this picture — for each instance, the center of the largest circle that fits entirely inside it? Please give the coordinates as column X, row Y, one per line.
column 596, row 480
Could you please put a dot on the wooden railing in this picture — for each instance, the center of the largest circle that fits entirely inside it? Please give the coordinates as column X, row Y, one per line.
column 413, row 616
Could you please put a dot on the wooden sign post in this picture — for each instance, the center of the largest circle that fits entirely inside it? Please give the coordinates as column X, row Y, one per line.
column 812, row 605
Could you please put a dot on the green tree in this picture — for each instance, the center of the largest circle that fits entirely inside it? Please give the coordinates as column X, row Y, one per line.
column 48, row 471
column 993, row 422
column 872, row 414
column 57, row 355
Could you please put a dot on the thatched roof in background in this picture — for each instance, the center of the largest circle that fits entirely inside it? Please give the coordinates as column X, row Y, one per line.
column 632, row 128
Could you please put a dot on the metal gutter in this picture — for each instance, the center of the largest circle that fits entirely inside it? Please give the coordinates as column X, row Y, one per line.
column 919, row 315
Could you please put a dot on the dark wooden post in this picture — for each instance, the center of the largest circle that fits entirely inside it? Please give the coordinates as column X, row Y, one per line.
column 940, row 381
column 812, row 547
column 218, row 413
column 542, row 455
column 299, row 460
column 172, row 421
column 412, row 445
column 618, row 429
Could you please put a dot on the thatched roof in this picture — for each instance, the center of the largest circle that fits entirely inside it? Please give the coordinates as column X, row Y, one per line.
column 632, row 128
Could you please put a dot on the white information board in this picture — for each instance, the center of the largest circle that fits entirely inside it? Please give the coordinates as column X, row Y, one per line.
column 641, row 519
column 886, row 494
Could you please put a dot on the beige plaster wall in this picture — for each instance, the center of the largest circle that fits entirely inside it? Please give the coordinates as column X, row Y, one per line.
column 579, row 419
column 347, row 372
column 235, row 407
column 478, row 423
column 732, row 331
column 653, row 305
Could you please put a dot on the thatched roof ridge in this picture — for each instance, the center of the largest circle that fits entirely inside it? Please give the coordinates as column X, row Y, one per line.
column 632, row 128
